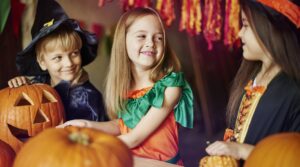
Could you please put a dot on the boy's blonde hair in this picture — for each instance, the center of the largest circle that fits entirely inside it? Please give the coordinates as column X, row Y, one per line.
column 119, row 75
column 65, row 38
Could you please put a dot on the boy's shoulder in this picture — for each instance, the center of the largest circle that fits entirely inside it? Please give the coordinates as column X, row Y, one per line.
column 40, row 79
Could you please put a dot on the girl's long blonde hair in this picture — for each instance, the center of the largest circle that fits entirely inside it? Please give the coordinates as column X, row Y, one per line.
column 119, row 75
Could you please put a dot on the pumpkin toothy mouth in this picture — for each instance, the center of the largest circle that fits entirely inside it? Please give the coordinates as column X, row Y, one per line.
column 20, row 134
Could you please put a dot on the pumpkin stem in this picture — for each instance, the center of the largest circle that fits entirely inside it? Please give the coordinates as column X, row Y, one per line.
column 80, row 138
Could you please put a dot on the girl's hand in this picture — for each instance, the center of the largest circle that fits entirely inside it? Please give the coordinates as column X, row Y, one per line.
column 110, row 127
column 234, row 149
column 77, row 122
column 18, row 81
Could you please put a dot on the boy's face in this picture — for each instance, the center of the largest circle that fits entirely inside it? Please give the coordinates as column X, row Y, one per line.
column 61, row 64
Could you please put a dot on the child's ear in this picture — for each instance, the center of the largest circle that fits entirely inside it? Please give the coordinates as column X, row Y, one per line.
column 42, row 64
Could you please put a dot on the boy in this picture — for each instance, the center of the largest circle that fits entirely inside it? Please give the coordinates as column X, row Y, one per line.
column 56, row 54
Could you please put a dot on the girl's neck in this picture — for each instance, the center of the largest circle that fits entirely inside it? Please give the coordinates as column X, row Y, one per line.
column 141, row 79
column 266, row 74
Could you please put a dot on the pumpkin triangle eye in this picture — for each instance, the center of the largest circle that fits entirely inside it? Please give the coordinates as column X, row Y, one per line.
column 40, row 117
column 23, row 100
column 48, row 97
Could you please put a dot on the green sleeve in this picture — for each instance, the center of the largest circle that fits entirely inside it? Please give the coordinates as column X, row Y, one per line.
column 183, row 111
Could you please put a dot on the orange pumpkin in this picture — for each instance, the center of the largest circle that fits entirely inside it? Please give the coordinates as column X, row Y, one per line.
column 218, row 161
column 279, row 150
column 26, row 111
column 74, row 147
column 7, row 155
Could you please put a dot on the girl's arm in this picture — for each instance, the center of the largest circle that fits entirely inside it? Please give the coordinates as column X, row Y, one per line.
column 110, row 127
column 151, row 121
column 234, row 149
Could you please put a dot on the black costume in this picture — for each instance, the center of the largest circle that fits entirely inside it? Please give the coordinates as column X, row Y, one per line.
column 82, row 100
column 278, row 110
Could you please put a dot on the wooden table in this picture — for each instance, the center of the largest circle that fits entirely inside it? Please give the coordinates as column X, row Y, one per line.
column 144, row 162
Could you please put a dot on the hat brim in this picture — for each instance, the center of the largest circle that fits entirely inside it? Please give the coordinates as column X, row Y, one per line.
column 26, row 60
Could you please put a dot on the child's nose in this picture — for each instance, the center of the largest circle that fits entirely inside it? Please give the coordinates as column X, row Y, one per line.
column 240, row 34
column 68, row 61
column 149, row 43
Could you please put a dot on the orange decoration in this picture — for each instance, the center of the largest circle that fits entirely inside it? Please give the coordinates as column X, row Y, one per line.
column 191, row 16
column 166, row 10
column 250, row 89
column 218, row 161
column 130, row 4
column 102, row 2
column 228, row 134
column 213, row 22
column 27, row 110
column 232, row 23
column 278, row 150
column 285, row 7
column 74, row 147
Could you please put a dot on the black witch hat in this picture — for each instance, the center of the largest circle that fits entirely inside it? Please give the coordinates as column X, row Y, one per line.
column 49, row 17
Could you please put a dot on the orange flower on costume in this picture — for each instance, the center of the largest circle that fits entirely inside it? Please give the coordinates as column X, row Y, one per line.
column 228, row 134
column 250, row 88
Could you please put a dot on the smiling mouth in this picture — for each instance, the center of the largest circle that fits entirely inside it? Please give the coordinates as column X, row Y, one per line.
column 148, row 53
column 69, row 71
column 20, row 134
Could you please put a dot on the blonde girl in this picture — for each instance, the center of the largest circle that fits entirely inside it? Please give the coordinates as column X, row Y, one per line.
column 145, row 93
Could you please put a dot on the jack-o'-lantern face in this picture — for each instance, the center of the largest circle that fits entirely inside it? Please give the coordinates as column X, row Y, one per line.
column 26, row 111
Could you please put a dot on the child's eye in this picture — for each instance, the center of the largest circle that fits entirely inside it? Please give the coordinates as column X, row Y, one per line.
column 245, row 25
column 75, row 53
column 141, row 36
column 56, row 58
column 159, row 38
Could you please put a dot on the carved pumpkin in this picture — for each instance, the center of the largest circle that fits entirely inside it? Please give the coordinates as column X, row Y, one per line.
column 7, row 155
column 279, row 150
column 218, row 161
column 74, row 147
column 26, row 111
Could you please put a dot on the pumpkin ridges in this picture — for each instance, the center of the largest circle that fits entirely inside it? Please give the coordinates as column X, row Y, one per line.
column 73, row 153
column 60, row 115
column 108, row 146
column 125, row 153
column 65, row 153
column 52, row 114
column 103, row 143
column 22, row 117
column 46, row 106
column 278, row 150
column 220, row 161
column 36, row 109
column 90, row 157
column 54, row 150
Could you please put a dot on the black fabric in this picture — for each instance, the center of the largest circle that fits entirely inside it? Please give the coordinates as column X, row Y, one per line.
column 46, row 11
column 277, row 111
column 82, row 101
